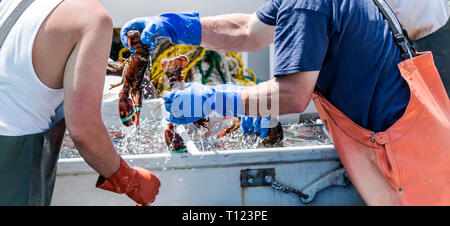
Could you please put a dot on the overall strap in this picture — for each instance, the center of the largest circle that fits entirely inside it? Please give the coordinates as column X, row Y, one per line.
column 400, row 34
column 12, row 18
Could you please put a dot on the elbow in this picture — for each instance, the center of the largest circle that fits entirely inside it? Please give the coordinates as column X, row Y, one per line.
column 249, row 40
column 256, row 48
column 240, row 42
column 84, row 129
column 78, row 132
column 295, row 104
column 252, row 44
column 297, row 89
column 85, row 137
column 292, row 105
column 301, row 102
column 301, row 106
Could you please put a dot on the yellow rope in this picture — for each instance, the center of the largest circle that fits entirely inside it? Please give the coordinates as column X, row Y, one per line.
column 251, row 73
column 240, row 71
column 175, row 50
column 194, row 62
column 124, row 49
column 172, row 52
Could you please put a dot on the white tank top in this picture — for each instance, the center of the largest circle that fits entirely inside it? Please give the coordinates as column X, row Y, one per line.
column 26, row 104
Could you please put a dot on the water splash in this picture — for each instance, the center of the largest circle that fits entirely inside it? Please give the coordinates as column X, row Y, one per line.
column 303, row 134
column 149, row 139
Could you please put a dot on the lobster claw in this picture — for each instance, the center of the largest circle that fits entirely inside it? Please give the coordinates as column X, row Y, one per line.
column 126, row 111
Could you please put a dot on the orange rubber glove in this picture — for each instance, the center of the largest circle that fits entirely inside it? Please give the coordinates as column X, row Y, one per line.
column 139, row 184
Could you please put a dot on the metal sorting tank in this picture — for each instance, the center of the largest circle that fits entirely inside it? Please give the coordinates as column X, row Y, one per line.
column 292, row 176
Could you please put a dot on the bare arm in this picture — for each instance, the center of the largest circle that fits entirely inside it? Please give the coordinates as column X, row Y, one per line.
column 235, row 32
column 244, row 32
column 288, row 94
column 84, row 78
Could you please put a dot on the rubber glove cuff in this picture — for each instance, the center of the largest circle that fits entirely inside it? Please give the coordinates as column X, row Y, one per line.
column 182, row 28
column 140, row 185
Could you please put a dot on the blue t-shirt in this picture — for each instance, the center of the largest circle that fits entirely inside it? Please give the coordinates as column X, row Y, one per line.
column 351, row 45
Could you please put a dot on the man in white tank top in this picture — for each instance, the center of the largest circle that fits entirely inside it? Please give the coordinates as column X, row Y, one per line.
column 428, row 24
column 57, row 51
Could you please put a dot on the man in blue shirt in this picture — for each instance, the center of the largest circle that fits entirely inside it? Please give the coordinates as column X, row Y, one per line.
column 343, row 48
column 351, row 45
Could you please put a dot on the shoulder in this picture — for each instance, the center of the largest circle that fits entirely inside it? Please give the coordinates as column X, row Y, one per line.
column 274, row 10
column 81, row 16
column 66, row 26
column 320, row 6
column 71, row 20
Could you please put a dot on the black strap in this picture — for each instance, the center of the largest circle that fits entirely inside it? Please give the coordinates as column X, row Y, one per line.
column 12, row 18
column 400, row 34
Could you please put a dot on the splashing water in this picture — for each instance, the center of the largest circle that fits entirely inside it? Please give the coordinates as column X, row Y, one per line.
column 302, row 134
column 149, row 139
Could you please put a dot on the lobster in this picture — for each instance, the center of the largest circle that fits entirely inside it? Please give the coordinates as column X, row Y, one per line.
column 274, row 137
column 173, row 70
column 135, row 84
column 173, row 140
column 229, row 129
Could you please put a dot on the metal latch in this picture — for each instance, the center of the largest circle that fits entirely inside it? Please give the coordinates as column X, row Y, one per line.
column 266, row 177
column 256, row 177
column 337, row 177
column 284, row 188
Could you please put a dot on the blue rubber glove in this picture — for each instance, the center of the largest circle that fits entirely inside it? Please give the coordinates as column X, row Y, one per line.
column 182, row 28
column 258, row 126
column 196, row 101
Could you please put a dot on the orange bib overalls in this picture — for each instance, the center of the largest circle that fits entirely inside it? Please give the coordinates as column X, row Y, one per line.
column 409, row 163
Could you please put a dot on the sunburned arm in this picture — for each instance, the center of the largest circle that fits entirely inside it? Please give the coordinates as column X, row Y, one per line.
column 235, row 32
column 288, row 94
column 84, row 78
